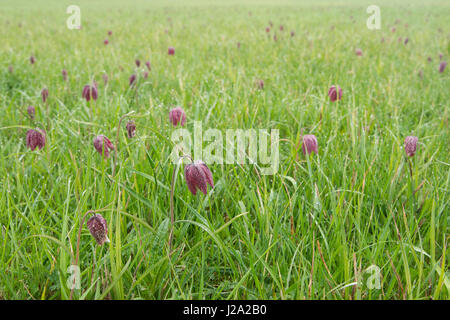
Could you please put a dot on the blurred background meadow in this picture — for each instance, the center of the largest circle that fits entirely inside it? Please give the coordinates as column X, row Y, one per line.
column 350, row 222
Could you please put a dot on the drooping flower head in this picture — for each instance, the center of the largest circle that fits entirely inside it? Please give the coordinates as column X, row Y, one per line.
column 10, row 68
column 132, row 79
column 171, row 51
column 105, row 42
column 267, row 29
column 406, row 40
column 333, row 93
column 35, row 138
column 147, row 63
column 32, row 60
column 292, row 33
column 31, row 112
column 64, row 74
column 358, row 52
column 138, row 62
column 260, row 84
column 177, row 116
column 281, row 27
column 410, row 145
column 109, row 33
column 131, row 129
column 103, row 145
column 44, row 94
column 90, row 91
column 442, row 66
column 198, row 176
column 145, row 74
column 309, row 144
column 98, row 228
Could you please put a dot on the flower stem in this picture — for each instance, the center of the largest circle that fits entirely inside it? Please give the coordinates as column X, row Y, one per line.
column 117, row 141
column 172, row 191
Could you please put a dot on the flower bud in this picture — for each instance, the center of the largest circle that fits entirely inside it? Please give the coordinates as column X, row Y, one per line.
column 410, row 145
column 103, row 145
column 131, row 129
column 98, row 228
column 260, row 84
column 35, row 138
column 442, row 66
column 333, row 93
column 31, row 112
column 309, row 144
column 32, row 60
column 138, row 62
column 44, row 94
column 132, row 79
column 176, row 116
column 64, row 74
column 198, row 176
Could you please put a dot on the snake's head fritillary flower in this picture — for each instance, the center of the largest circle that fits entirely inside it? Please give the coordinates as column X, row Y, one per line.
column 260, row 84
column 44, row 94
column 138, row 63
column 309, row 144
column 198, row 176
column 31, row 112
column 35, row 138
column 132, row 79
column 103, row 145
column 238, row 45
column 131, row 129
column 145, row 74
column 90, row 91
column 98, row 228
column 393, row 29
column 335, row 93
column 442, row 66
column 292, row 33
column 171, row 51
column 177, row 116
column 410, row 145
column 105, row 42
column 406, row 40
column 10, row 68
column 109, row 33
column 64, row 74
column 358, row 52
column 267, row 29
column 429, row 59
column 281, row 27
column 32, row 60
column 147, row 63
column 441, row 56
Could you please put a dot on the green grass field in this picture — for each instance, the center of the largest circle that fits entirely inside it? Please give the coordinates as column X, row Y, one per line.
column 349, row 222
